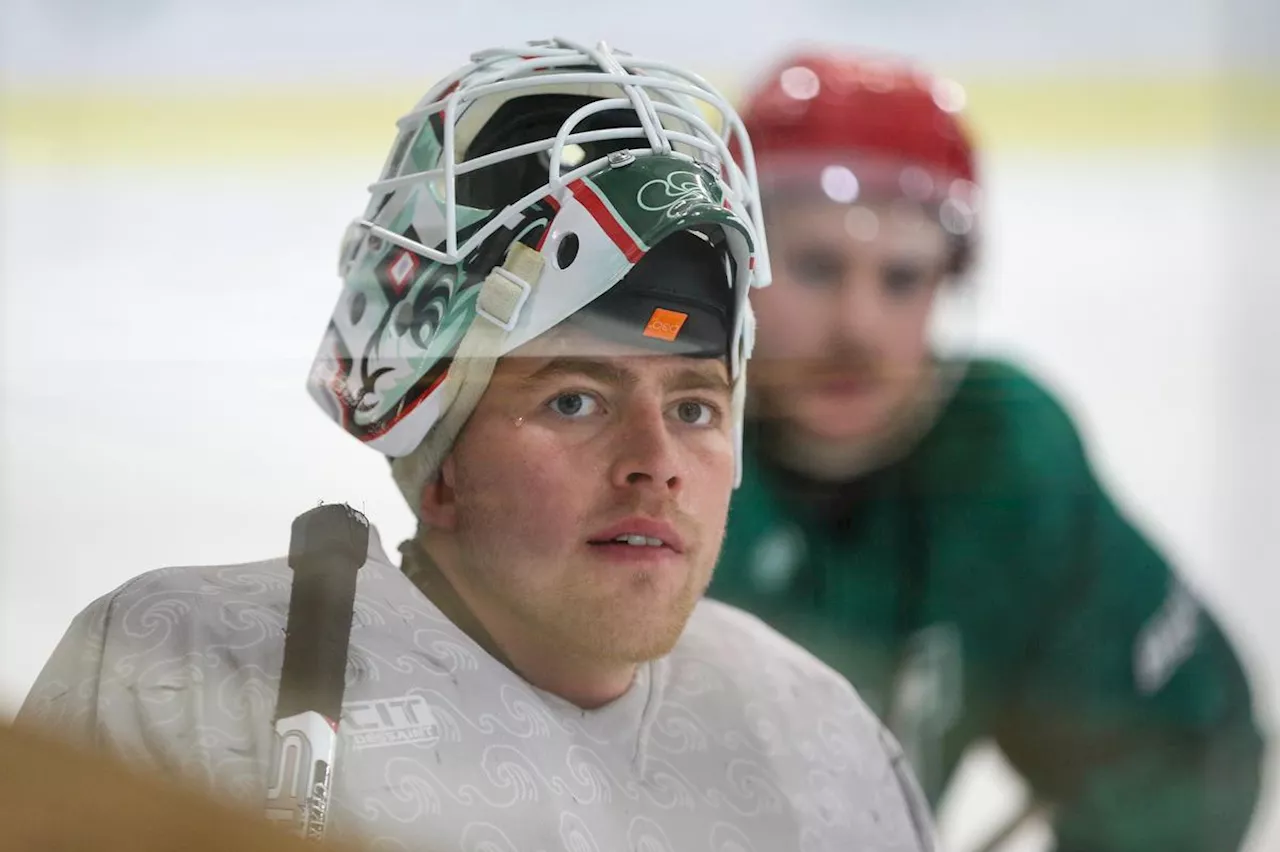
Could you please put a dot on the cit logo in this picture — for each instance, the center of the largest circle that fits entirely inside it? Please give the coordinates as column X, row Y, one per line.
column 390, row 721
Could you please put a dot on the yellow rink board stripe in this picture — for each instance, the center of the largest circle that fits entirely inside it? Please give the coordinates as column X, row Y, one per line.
column 196, row 125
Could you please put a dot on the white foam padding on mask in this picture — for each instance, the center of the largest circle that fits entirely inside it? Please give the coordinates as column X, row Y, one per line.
column 469, row 374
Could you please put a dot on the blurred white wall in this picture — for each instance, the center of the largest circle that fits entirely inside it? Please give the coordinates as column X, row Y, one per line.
column 339, row 39
column 174, row 178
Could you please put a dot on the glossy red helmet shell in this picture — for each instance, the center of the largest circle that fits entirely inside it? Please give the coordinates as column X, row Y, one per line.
column 860, row 126
column 885, row 109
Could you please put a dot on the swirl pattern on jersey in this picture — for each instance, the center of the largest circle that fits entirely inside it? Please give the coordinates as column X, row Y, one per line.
column 738, row 741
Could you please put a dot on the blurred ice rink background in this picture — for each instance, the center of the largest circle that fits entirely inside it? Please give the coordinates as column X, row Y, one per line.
column 174, row 178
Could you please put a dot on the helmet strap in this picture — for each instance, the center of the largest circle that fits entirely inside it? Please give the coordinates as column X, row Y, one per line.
column 502, row 295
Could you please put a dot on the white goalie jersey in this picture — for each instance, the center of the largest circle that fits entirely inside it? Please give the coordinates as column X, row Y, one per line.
column 738, row 741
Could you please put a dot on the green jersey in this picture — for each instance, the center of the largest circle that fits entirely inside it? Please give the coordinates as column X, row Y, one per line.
column 985, row 586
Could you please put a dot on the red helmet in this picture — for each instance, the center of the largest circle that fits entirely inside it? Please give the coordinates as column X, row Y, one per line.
column 864, row 126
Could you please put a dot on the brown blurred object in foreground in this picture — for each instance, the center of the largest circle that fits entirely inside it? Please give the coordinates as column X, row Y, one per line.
column 56, row 798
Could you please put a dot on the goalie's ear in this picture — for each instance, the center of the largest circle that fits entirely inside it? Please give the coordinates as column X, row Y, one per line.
column 437, row 508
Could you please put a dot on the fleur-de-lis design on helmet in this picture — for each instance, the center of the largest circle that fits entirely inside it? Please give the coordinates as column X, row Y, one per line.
column 674, row 193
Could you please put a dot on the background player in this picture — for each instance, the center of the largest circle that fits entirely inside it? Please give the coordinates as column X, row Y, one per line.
column 929, row 523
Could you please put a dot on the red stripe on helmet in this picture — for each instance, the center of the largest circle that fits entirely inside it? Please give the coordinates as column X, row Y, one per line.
column 609, row 223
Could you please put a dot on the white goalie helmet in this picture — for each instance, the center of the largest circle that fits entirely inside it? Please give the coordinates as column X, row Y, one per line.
column 519, row 190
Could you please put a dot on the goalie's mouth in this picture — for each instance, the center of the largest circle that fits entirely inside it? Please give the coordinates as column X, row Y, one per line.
column 637, row 533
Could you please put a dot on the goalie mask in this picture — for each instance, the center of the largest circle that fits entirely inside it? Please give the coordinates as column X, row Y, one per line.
column 520, row 192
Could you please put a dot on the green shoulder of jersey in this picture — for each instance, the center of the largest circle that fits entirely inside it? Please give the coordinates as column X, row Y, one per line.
column 1002, row 463
column 985, row 586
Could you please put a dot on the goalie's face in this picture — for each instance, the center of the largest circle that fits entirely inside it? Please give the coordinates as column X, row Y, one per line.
column 842, row 344
column 586, row 497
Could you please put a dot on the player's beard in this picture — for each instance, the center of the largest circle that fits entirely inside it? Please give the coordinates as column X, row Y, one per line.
column 903, row 400
column 639, row 627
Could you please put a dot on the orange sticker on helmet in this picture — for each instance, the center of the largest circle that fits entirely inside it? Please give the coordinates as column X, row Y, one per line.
column 664, row 324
